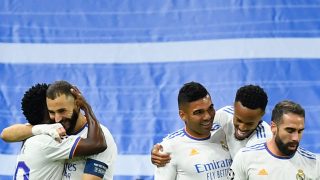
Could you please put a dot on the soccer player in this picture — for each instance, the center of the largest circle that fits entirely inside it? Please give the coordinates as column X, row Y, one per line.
column 42, row 157
column 197, row 150
column 281, row 157
column 241, row 122
column 62, row 108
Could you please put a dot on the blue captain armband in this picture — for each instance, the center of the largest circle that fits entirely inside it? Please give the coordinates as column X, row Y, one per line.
column 95, row 167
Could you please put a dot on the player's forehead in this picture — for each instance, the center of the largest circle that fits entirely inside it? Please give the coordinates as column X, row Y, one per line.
column 291, row 120
column 246, row 114
column 60, row 102
column 202, row 103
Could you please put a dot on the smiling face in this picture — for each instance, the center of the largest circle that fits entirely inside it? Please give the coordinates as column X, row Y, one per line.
column 198, row 117
column 62, row 110
column 245, row 120
column 288, row 133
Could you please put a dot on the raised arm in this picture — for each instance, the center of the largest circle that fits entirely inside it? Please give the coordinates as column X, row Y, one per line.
column 95, row 141
column 20, row 132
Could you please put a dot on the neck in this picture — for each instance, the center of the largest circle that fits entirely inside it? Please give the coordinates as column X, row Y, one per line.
column 196, row 135
column 273, row 148
column 81, row 121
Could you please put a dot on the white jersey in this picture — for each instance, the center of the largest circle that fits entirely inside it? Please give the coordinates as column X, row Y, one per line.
column 101, row 165
column 191, row 158
column 258, row 163
column 224, row 117
column 42, row 157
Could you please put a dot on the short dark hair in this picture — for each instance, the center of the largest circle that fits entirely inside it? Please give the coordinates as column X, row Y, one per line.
column 59, row 88
column 190, row 92
column 252, row 97
column 33, row 104
column 285, row 107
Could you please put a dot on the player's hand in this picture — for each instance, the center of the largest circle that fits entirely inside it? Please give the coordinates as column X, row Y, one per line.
column 159, row 158
column 56, row 131
column 79, row 99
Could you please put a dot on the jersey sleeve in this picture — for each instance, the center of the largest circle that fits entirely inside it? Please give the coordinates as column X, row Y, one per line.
column 64, row 150
column 169, row 171
column 237, row 170
column 102, row 164
column 223, row 116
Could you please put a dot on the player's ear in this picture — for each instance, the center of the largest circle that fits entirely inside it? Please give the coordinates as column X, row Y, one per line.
column 182, row 115
column 273, row 128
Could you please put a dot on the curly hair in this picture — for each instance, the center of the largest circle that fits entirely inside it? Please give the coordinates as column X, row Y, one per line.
column 33, row 104
column 252, row 96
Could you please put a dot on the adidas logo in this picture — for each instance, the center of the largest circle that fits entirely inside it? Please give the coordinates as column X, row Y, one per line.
column 194, row 152
column 263, row 172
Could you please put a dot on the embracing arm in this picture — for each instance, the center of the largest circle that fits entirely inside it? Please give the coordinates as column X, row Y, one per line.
column 20, row 132
column 16, row 132
column 157, row 158
column 95, row 141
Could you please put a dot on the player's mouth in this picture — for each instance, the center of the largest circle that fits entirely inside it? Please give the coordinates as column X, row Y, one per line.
column 242, row 134
column 292, row 146
column 207, row 124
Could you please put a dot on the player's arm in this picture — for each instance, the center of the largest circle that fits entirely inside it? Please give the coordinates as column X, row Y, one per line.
column 95, row 141
column 90, row 177
column 16, row 132
column 20, row 132
column 157, row 158
column 169, row 170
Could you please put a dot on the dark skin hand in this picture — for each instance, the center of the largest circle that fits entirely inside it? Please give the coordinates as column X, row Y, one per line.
column 95, row 141
column 158, row 158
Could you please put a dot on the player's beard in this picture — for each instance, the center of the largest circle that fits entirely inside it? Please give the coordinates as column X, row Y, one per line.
column 70, row 123
column 284, row 148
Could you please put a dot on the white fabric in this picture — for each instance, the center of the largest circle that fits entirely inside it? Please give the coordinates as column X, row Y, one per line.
column 74, row 167
column 258, row 163
column 224, row 117
column 44, row 157
column 195, row 158
column 49, row 129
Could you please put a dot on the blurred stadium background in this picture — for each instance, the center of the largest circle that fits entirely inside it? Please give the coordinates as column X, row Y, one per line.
column 130, row 58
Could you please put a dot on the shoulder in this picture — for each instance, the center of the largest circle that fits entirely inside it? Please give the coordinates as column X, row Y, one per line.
column 263, row 131
column 224, row 115
column 226, row 110
column 40, row 139
column 108, row 136
column 175, row 135
column 253, row 148
column 307, row 154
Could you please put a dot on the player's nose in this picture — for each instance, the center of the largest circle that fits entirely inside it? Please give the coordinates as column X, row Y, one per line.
column 57, row 118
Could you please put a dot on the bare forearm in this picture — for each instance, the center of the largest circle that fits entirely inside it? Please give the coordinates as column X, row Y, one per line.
column 16, row 132
column 95, row 141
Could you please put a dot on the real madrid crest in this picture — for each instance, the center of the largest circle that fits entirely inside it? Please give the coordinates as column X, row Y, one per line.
column 224, row 145
column 300, row 175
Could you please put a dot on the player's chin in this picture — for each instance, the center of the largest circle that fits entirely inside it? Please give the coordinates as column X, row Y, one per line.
column 241, row 135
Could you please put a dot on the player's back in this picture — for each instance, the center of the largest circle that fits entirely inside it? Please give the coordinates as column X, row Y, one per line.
column 42, row 157
column 101, row 164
